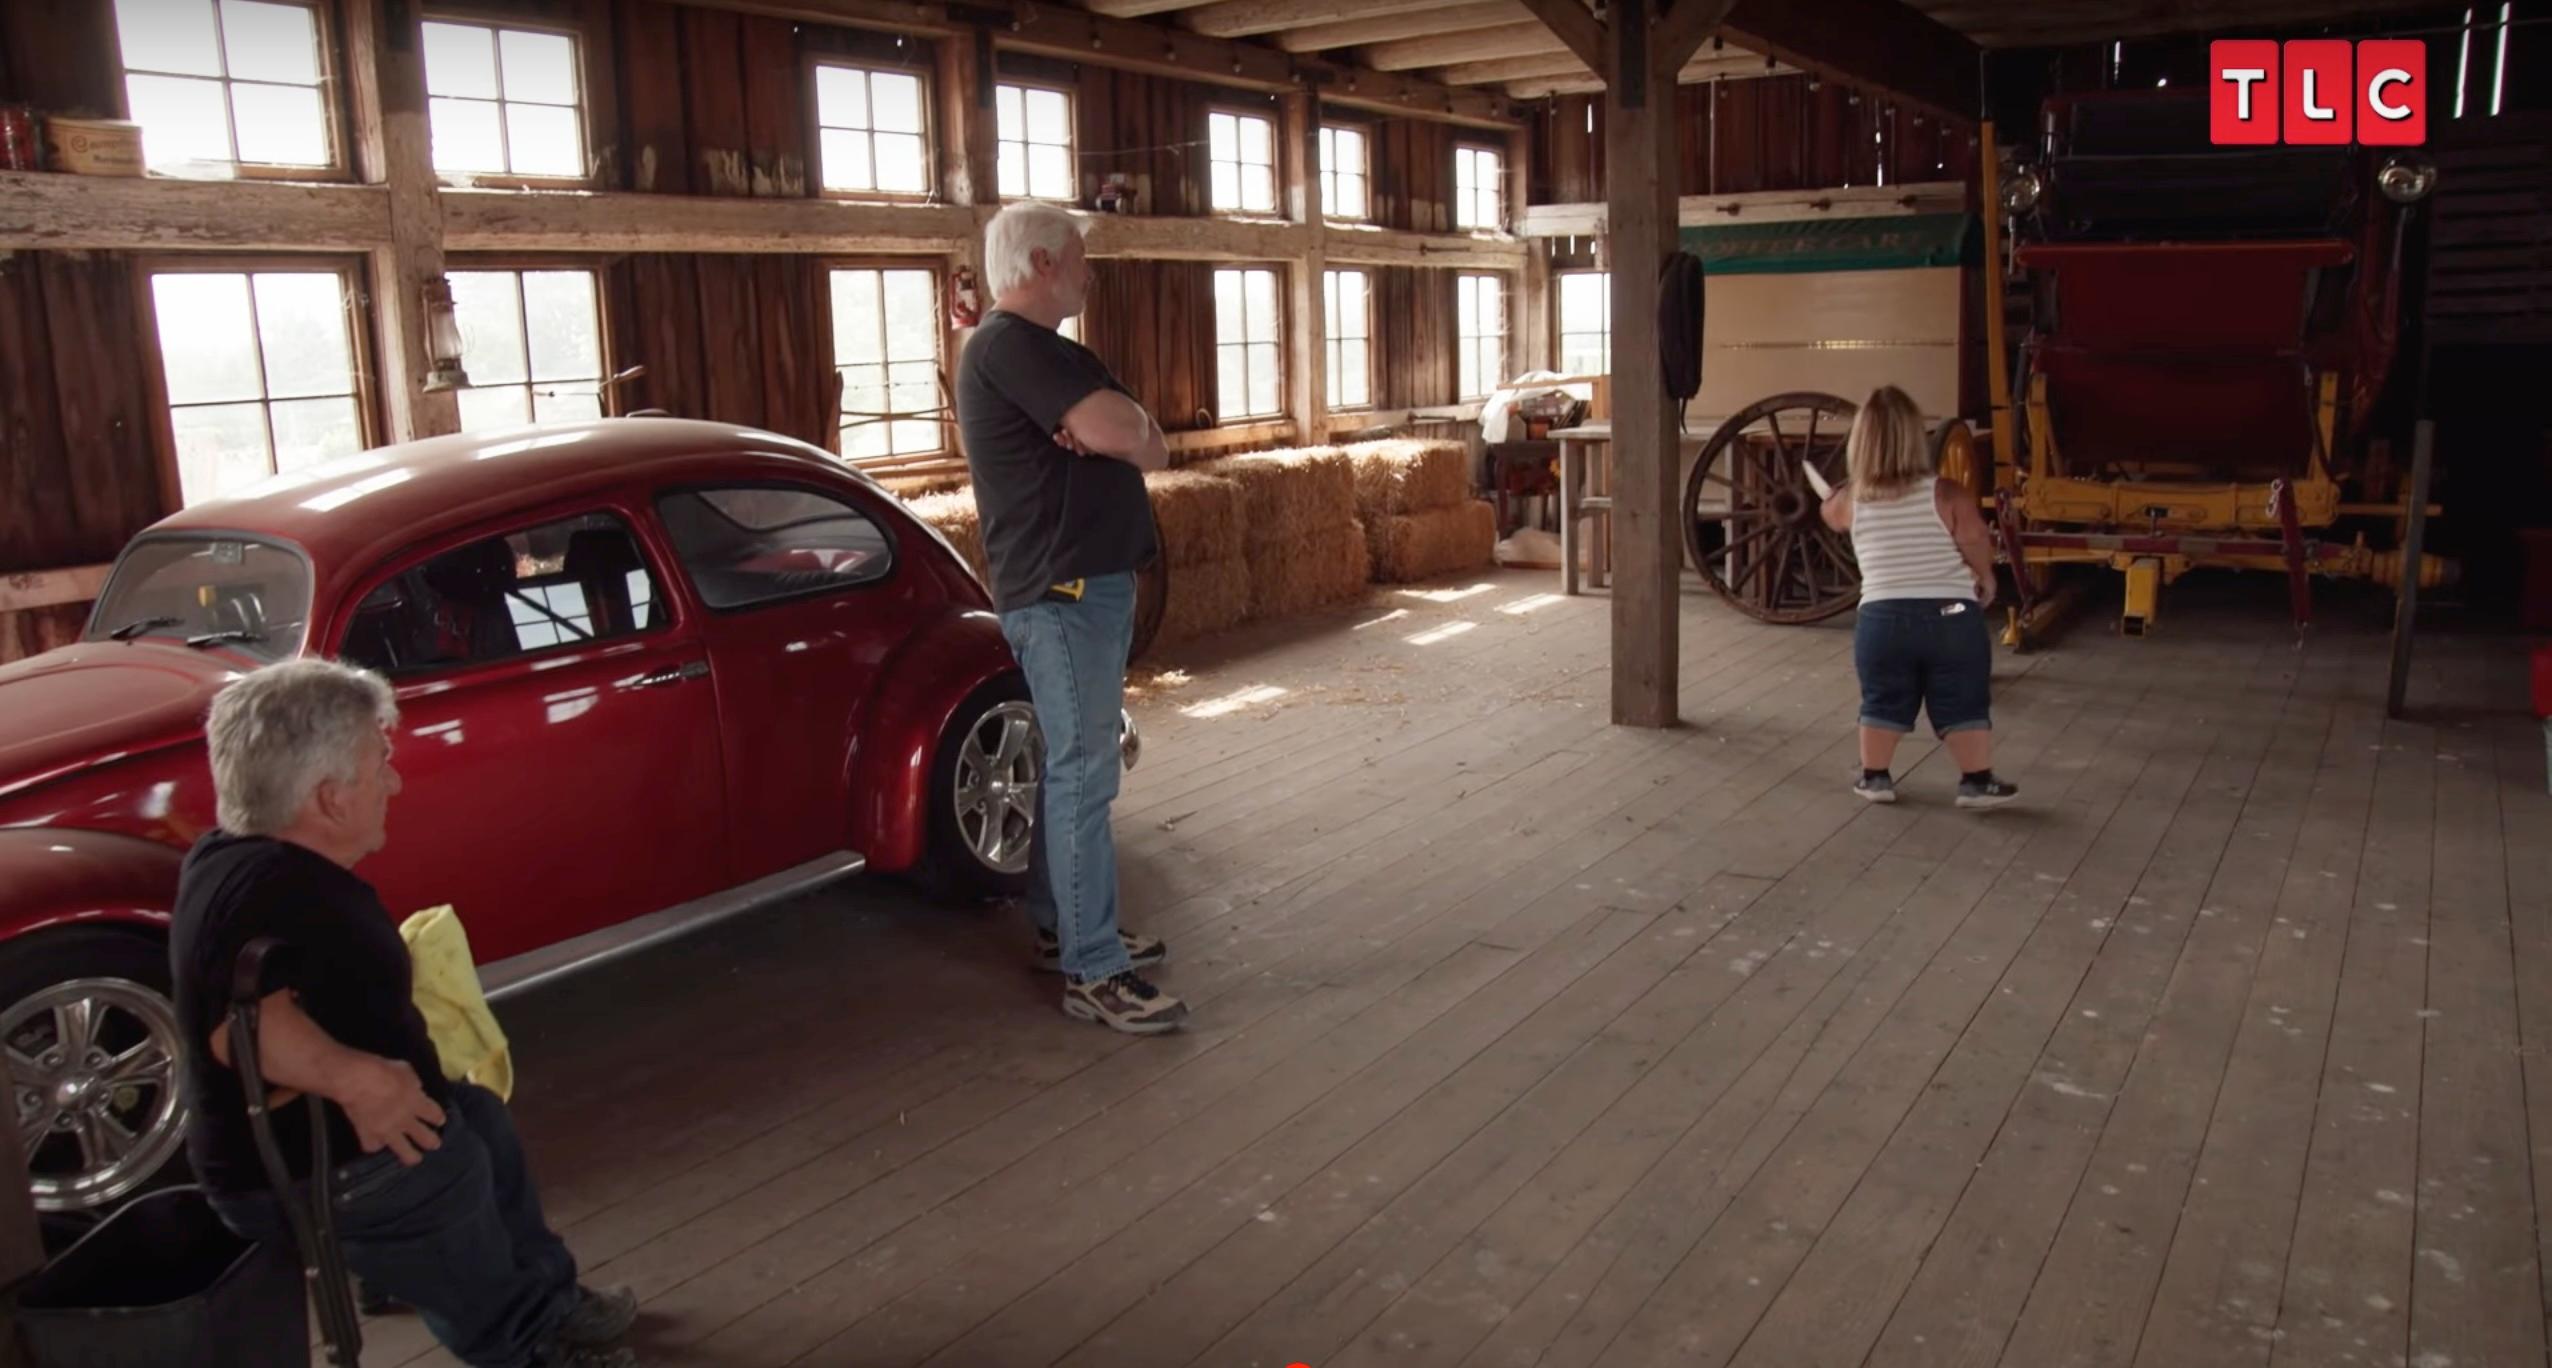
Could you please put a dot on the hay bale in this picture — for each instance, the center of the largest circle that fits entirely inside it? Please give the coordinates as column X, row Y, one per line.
column 1409, row 476
column 1305, row 575
column 1421, row 546
column 1290, row 496
column 1204, row 599
column 1201, row 518
column 955, row 516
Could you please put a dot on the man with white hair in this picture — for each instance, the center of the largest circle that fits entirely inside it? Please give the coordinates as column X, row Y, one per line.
column 1058, row 449
column 434, row 1204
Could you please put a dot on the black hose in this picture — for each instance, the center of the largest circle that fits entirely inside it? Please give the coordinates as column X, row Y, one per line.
column 1681, row 300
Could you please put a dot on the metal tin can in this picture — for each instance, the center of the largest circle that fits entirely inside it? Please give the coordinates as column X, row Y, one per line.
column 19, row 150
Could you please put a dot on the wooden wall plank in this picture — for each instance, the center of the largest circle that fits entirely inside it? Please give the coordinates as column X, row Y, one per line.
column 776, row 101
column 654, row 142
column 35, row 477
column 112, row 463
column 713, row 94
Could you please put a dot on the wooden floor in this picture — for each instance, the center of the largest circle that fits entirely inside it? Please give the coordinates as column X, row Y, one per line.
column 1522, row 1039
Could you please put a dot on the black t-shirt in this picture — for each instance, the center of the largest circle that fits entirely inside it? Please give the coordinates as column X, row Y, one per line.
column 1048, row 516
column 344, row 962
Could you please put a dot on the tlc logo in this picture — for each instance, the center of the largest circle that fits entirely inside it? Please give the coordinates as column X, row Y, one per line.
column 2318, row 91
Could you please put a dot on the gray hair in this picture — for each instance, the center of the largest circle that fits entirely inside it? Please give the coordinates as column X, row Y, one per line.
column 1018, row 232
column 278, row 733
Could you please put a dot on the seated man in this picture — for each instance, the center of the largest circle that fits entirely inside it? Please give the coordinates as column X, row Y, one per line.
column 434, row 1204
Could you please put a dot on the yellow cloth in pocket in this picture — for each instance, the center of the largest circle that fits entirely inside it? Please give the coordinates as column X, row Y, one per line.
column 456, row 1014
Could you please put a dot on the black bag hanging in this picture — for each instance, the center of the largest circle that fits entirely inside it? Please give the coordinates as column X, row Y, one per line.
column 1680, row 302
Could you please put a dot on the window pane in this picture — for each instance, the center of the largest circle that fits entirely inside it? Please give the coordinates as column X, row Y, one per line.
column 1228, row 323
column 281, row 125
column 219, row 450
column 490, row 312
column 912, row 317
column 1470, row 382
column 901, row 168
column 539, row 66
column 1492, row 307
column 1466, row 307
column 460, row 59
column 898, row 102
column 744, row 546
column 1350, row 197
column 308, row 431
column 545, row 140
column 858, row 319
column 1262, row 306
column 1351, row 152
column 1262, row 380
column 1223, row 137
column 566, row 408
column 467, row 136
column 1013, row 165
column 494, row 407
column 1337, row 382
column 1258, row 141
column 1231, row 377
column 267, row 42
column 846, row 161
column 841, row 97
column 566, row 339
column 207, row 342
column 1353, row 306
column 182, row 120
column 301, row 318
column 1258, row 189
column 1356, row 361
column 1050, row 173
column 1009, row 112
column 168, row 35
column 1227, row 185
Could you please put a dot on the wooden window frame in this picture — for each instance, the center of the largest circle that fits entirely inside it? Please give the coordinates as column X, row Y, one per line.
column 1284, row 324
column 1327, row 174
column 895, row 464
column 1071, row 139
column 353, row 270
column 815, row 126
column 335, row 109
column 580, row 41
column 1463, row 342
column 1275, row 163
column 1498, row 187
column 604, row 315
column 1559, row 315
column 1331, row 337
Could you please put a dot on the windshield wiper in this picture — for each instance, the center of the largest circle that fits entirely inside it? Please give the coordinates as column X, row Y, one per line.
column 225, row 638
column 131, row 630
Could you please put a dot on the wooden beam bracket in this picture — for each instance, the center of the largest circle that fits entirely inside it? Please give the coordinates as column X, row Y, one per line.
column 1575, row 25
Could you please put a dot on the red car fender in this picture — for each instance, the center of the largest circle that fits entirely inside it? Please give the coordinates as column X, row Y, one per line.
column 921, row 687
column 56, row 876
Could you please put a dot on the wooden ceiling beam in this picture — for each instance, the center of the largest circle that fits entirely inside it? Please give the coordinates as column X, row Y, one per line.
column 1886, row 45
column 1506, row 69
column 1389, row 28
column 1137, row 9
column 1250, row 18
column 1725, row 66
column 1528, row 39
column 1576, row 25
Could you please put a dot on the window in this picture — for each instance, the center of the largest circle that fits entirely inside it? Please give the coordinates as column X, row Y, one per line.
column 1343, row 174
column 532, row 343
column 1247, row 337
column 260, row 368
column 1479, row 188
column 1586, row 323
column 504, row 101
column 1348, row 297
column 236, row 82
column 1036, row 143
column 869, row 131
column 256, row 595
column 1480, row 332
column 559, row 584
column 886, row 346
column 1243, row 148
column 1071, row 327
column 748, row 546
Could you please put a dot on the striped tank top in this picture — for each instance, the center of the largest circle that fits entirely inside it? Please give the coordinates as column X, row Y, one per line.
column 1905, row 549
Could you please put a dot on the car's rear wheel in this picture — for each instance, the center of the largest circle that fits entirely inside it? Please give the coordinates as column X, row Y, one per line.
column 91, row 1044
column 983, row 799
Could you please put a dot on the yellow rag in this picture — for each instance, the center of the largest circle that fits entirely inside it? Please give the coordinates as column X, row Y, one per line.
column 456, row 1013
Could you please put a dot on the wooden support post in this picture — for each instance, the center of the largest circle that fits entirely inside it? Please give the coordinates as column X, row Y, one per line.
column 1307, row 340
column 395, row 149
column 1535, row 337
column 969, row 122
column 2414, row 547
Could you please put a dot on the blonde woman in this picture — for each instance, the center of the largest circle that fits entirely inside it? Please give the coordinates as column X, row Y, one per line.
column 1927, row 576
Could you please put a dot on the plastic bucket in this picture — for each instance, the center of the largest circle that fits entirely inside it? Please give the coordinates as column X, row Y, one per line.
column 163, row 1282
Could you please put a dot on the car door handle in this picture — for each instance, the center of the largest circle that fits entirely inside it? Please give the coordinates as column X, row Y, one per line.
column 673, row 674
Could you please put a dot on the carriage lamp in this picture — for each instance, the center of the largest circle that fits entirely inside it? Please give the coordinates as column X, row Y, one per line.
column 2023, row 191
column 2406, row 178
column 442, row 339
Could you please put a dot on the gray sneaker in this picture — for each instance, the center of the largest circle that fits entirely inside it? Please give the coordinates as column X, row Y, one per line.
column 1986, row 793
column 1124, row 1002
column 585, row 1356
column 1881, row 789
column 599, row 1317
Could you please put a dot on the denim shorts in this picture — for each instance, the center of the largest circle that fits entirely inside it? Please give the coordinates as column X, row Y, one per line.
column 1924, row 655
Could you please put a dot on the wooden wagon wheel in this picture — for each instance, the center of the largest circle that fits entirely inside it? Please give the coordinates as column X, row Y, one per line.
column 1751, row 524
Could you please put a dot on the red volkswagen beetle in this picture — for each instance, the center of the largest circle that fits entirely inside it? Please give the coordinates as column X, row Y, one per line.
column 651, row 672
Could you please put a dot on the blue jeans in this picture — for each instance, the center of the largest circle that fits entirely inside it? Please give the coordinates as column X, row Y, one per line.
column 460, row 1237
column 1928, row 655
column 1074, row 657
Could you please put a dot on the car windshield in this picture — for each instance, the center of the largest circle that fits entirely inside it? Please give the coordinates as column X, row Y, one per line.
column 208, row 591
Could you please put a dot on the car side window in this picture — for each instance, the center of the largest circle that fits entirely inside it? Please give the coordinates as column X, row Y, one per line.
column 563, row 583
column 755, row 544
